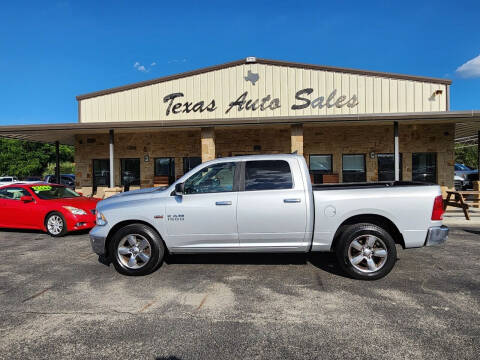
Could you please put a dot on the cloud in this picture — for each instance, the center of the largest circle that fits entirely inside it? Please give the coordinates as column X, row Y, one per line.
column 470, row 69
column 153, row 63
column 140, row 67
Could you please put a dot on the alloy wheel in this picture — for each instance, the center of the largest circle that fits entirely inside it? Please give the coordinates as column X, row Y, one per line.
column 367, row 253
column 134, row 251
column 55, row 224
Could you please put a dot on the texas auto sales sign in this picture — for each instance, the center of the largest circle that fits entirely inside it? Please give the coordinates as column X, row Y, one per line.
column 304, row 98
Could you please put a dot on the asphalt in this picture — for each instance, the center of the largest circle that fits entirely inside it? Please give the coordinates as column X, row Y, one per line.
column 58, row 301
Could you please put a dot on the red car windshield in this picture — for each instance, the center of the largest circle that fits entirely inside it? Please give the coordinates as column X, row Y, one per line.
column 49, row 192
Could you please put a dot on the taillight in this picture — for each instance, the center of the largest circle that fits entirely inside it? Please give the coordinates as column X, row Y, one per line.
column 437, row 212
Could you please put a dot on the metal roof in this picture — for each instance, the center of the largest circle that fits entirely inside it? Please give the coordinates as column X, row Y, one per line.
column 468, row 124
column 266, row 62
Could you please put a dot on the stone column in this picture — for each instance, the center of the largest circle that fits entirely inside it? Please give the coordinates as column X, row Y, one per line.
column 296, row 138
column 208, row 144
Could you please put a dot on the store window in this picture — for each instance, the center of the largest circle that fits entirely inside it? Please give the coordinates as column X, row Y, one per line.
column 267, row 175
column 353, row 168
column 424, row 167
column 165, row 166
column 130, row 171
column 101, row 172
column 386, row 167
column 190, row 162
column 319, row 166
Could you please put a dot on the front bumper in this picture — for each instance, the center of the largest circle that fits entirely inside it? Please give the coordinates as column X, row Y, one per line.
column 79, row 222
column 98, row 238
column 436, row 235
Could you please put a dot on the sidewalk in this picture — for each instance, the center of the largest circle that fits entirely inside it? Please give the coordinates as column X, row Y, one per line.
column 455, row 218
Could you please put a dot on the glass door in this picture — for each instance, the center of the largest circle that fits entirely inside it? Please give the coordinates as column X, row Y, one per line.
column 165, row 167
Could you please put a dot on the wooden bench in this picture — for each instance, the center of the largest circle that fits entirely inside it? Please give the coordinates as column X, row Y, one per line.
column 459, row 200
column 160, row 181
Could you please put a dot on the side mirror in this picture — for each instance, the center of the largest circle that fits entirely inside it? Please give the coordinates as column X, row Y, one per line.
column 179, row 189
column 26, row 199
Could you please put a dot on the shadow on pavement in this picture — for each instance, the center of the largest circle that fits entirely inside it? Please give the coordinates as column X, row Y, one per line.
column 238, row 259
column 476, row 232
column 25, row 231
column 324, row 261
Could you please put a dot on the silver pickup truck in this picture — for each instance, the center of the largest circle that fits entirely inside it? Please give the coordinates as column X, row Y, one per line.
column 266, row 203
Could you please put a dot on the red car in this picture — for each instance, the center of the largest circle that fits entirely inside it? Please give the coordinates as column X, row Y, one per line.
column 53, row 208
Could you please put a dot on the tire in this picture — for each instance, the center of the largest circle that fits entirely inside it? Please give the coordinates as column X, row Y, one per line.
column 366, row 251
column 55, row 224
column 136, row 250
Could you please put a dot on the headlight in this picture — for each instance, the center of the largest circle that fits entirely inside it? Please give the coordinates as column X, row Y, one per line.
column 75, row 211
column 101, row 220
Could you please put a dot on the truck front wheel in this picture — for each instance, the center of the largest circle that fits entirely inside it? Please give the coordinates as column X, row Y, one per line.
column 136, row 249
column 366, row 251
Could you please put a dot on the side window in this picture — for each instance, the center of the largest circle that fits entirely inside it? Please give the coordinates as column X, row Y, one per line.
column 12, row 193
column 211, row 179
column 267, row 175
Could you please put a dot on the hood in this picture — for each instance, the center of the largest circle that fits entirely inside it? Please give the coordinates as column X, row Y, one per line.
column 139, row 191
column 81, row 202
column 131, row 196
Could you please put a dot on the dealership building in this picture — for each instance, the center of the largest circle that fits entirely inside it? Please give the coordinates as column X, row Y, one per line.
column 350, row 125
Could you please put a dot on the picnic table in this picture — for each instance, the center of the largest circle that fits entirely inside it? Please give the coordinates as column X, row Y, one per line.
column 460, row 201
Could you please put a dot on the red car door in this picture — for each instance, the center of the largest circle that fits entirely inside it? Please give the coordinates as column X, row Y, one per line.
column 3, row 212
column 16, row 213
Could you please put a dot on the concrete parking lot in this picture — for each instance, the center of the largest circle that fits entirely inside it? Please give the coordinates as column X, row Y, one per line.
column 58, row 301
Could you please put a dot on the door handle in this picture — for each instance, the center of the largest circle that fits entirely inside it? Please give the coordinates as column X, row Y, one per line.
column 223, row 203
column 291, row 201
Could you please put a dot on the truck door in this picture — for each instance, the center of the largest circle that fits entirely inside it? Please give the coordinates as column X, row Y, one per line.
column 272, row 211
column 204, row 217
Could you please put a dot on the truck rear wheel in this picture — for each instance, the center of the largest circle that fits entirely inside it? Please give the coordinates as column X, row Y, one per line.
column 366, row 251
column 136, row 249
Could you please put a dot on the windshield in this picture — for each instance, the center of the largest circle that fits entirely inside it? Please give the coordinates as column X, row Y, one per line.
column 49, row 192
column 461, row 167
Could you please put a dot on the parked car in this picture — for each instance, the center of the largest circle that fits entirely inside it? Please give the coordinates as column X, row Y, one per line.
column 459, row 183
column 33, row 178
column 66, row 179
column 266, row 203
column 6, row 180
column 467, row 174
column 55, row 209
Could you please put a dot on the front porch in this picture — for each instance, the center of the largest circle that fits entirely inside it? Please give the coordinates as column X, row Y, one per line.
column 334, row 152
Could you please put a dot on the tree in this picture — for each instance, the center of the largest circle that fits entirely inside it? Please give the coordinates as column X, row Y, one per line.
column 467, row 155
column 22, row 158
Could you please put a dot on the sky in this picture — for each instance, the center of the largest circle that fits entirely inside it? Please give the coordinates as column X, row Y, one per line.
column 52, row 51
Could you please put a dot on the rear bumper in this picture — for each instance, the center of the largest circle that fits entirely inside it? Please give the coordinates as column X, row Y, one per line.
column 436, row 235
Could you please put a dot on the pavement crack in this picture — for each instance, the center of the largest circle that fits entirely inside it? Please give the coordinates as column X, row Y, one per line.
column 37, row 294
column 146, row 306
column 202, row 302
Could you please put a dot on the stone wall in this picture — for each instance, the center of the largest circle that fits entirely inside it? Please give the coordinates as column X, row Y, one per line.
column 255, row 140
column 338, row 140
column 317, row 139
column 176, row 144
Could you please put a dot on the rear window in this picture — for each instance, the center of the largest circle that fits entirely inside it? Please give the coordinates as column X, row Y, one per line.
column 267, row 175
